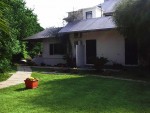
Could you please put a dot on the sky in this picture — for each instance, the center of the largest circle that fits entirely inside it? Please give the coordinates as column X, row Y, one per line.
column 51, row 12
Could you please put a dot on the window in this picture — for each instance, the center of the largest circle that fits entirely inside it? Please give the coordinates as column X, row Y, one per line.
column 88, row 14
column 56, row 49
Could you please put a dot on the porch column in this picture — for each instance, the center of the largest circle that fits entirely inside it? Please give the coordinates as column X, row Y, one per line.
column 80, row 55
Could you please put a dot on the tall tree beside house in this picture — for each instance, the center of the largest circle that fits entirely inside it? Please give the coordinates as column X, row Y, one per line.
column 3, row 23
column 6, row 40
column 133, row 20
column 25, row 23
column 22, row 23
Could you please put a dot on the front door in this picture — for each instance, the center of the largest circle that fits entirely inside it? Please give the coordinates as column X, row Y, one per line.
column 90, row 51
column 131, row 54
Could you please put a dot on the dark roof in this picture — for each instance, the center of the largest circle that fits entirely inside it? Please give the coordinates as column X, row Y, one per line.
column 47, row 33
column 109, row 5
column 89, row 25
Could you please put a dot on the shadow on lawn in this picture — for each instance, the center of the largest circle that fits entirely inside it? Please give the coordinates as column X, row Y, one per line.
column 21, row 89
column 91, row 95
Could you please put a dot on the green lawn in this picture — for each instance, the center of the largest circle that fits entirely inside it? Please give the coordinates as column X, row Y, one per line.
column 131, row 73
column 5, row 76
column 60, row 93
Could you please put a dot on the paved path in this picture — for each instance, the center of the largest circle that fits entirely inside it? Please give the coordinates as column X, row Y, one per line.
column 17, row 78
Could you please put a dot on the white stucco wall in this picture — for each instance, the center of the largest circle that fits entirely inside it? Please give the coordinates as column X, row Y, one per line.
column 109, row 44
column 50, row 59
column 99, row 12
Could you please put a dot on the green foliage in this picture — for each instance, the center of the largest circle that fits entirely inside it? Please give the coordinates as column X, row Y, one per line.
column 133, row 20
column 16, row 23
column 70, row 61
column 4, row 65
column 3, row 23
column 6, row 41
column 99, row 63
column 17, row 58
column 5, row 76
column 32, row 49
column 7, row 48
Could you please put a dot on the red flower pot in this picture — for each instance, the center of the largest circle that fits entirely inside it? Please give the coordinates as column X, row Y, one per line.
column 31, row 84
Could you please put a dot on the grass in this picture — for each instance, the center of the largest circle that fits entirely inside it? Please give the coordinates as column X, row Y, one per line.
column 128, row 73
column 135, row 74
column 64, row 93
column 35, row 69
column 5, row 76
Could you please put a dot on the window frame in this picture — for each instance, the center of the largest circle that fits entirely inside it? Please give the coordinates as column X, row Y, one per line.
column 60, row 49
column 88, row 13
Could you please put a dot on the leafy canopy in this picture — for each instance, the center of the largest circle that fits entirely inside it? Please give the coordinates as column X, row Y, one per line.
column 16, row 23
column 132, row 16
column 133, row 20
column 3, row 23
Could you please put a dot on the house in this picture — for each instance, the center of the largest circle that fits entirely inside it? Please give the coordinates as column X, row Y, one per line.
column 91, row 33
column 53, row 49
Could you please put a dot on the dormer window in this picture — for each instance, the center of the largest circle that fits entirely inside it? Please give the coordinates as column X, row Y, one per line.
column 88, row 14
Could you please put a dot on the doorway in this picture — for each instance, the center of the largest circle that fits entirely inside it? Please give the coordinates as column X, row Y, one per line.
column 131, row 52
column 90, row 51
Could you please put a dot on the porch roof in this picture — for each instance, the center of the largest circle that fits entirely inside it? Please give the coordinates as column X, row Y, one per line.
column 47, row 33
column 101, row 23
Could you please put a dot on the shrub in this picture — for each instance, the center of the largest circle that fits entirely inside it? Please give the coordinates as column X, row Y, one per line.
column 4, row 65
column 99, row 63
column 70, row 61
column 31, row 63
column 43, row 64
column 117, row 65
column 16, row 58
column 60, row 65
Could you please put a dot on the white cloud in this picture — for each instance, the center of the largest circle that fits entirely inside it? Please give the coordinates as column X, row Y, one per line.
column 51, row 12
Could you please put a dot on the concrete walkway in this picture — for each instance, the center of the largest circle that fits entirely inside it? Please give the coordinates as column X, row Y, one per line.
column 17, row 78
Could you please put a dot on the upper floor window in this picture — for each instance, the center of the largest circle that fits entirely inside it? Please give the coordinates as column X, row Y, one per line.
column 88, row 14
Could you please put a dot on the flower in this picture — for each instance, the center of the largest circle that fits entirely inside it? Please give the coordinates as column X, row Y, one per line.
column 31, row 79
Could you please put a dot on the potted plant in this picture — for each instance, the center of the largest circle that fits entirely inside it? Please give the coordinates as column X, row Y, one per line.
column 31, row 83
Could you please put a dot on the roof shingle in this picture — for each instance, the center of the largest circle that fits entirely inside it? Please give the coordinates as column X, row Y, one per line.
column 47, row 33
column 89, row 25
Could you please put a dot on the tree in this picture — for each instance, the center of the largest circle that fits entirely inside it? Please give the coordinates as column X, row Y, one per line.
column 6, row 41
column 3, row 23
column 24, row 23
column 16, row 23
column 133, row 20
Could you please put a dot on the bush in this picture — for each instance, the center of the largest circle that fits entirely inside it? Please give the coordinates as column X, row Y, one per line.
column 70, row 61
column 99, row 63
column 61, row 65
column 117, row 65
column 31, row 63
column 43, row 64
column 17, row 58
column 4, row 65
